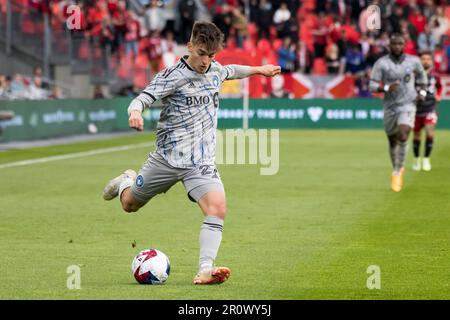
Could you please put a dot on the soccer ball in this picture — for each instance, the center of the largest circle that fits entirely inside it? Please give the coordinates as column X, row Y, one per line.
column 151, row 266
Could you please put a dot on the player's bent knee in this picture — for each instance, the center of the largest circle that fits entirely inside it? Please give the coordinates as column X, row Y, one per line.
column 403, row 136
column 129, row 204
column 218, row 210
column 130, row 207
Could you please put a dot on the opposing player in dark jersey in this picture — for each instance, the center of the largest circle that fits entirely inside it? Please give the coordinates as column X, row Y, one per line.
column 397, row 75
column 186, row 140
column 426, row 116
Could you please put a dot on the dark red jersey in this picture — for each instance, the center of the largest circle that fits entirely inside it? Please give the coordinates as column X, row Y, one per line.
column 434, row 90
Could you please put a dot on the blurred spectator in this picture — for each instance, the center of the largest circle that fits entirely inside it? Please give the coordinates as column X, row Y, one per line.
column 364, row 42
column 168, row 47
column 56, row 93
column 223, row 18
column 98, row 92
column 95, row 19
column 281, row 19
column 439, row 59
column 202, row 13
column 429, row 9
column 35, row 90
column 37, row 72
column 282, row 14
column 132, row 36
column 287, row 56
column 155, row 18
column 410, row 45
column 406, row 28
column 418, row 20
column 362, row 84
column 304, row 58
column 5, row 87
column 253, row 10
column 332, row 59
column 320, row 32
column 18, row 88
column 239, row 24
column 120, row 16
column 426, row 40
column 378, row 48
column 439, row 24
column 265, row 16
column 447, row 55
column 292, row 29
column 169, row 15
column 342, row 42
column 278, row 90
column 395, row 18
column 355, row 8
column 129, row 91
column 154, row 51
column 186, row 9
column 354, row 59
column 106, row 35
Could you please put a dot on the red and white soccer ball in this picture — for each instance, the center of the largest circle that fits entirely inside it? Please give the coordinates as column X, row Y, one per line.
column 151, row 266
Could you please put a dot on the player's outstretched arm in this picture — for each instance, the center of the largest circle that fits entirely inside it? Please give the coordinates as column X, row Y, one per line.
column 268, row 70
column 236, row 71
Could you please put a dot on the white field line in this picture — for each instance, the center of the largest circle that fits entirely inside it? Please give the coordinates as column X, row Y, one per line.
column 74, row 155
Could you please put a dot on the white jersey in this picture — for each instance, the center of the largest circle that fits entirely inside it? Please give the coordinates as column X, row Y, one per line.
column 186, row 130
column 408, row 71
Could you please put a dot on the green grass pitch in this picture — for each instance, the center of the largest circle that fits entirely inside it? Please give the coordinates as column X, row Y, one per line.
column 309, row 232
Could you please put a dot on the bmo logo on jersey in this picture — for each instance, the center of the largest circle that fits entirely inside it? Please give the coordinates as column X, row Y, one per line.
column 203, row 100
column 192, row 100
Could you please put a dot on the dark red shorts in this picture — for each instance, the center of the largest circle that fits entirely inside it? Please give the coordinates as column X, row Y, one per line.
column 421, row 121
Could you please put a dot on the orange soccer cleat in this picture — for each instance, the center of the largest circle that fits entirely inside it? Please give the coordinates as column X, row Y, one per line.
column 397, row 180
column 216, row 276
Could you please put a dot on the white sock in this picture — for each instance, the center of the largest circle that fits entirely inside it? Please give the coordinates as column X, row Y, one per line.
column 210, row 238
column 126, row 183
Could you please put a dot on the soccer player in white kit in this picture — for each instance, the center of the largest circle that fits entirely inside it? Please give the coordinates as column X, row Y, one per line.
column 397, row 75
column 186, row 140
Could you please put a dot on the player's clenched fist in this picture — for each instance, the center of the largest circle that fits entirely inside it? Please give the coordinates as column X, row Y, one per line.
column 269, row 70
column 136, row 121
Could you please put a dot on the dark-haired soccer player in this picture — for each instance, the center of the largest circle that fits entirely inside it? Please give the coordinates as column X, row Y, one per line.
column 186, row 140
column 426, row 116
column 396, row 74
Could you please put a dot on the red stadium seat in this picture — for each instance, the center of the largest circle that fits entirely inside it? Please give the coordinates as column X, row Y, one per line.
column 252, row 29
column 140, row 79
column 141, row 61
column 83, row 51
column 277, row 44
column 124, row 69
column 319, row 66
column 249, row 45
column 271, row 58
column 263, row 45
column 28, row 26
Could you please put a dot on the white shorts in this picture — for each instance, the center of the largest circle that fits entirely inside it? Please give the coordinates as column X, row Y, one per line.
column 158, row 176
column 394, row 118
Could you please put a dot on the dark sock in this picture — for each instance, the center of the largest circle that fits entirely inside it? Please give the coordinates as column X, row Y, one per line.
column 416, row 148
column 428, row 147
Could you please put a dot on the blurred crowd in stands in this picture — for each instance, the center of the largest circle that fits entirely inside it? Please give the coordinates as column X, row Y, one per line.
column 34, row 87
column 317, row 37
